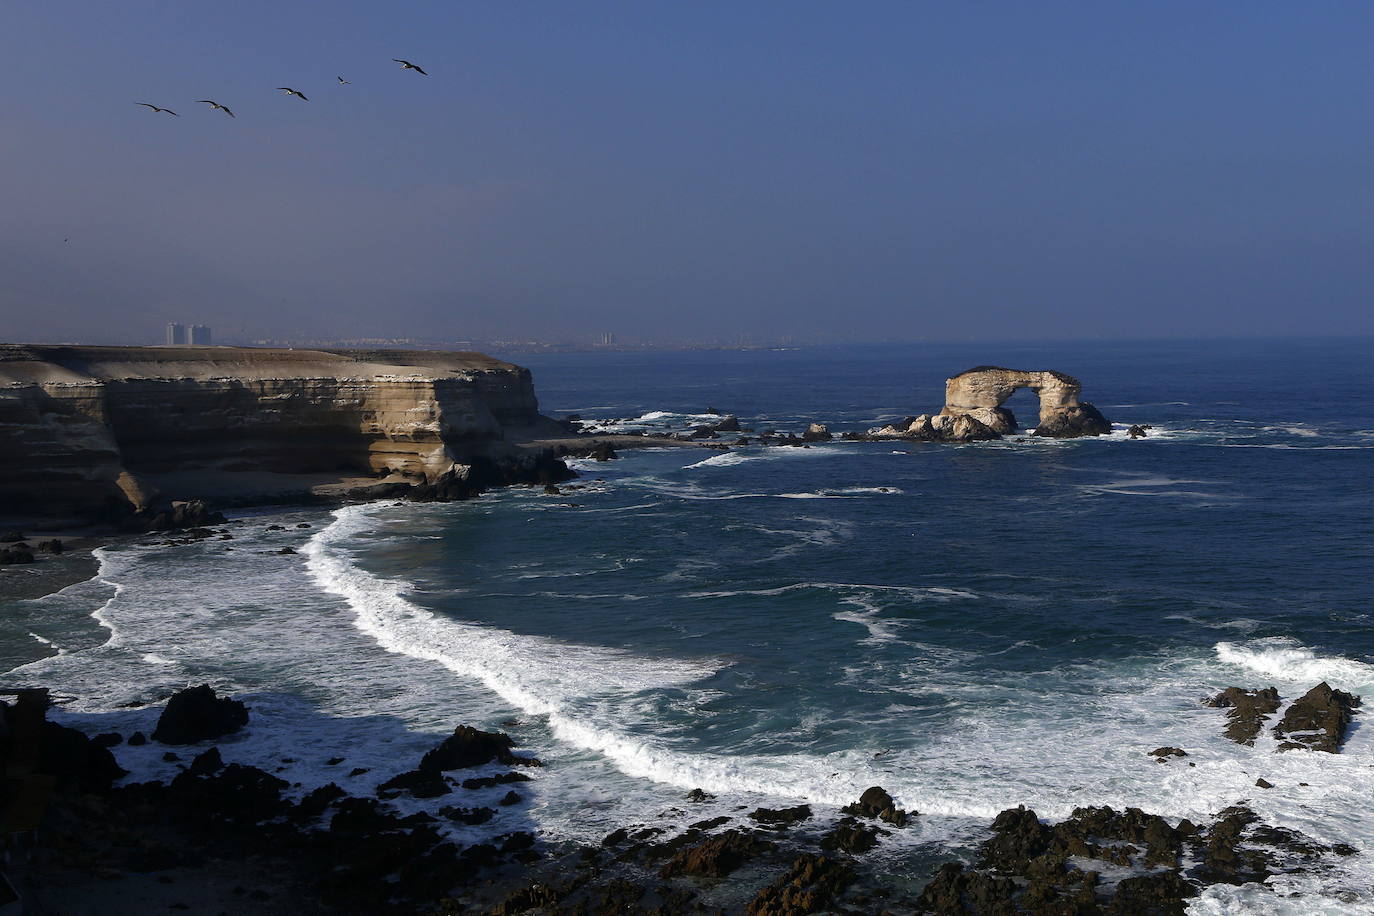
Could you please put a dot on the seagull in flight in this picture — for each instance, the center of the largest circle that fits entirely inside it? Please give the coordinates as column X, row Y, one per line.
column 407, row 65
column 296, row 92
column 155, row 108
column 217, row 106
column 342, row 81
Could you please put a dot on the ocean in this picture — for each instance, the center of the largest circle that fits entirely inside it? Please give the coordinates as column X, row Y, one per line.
column 971, row 627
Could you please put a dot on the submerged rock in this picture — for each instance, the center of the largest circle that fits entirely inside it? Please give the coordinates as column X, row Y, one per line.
column 715, row 857
column 1248, row 711
column 197, row 714
column 1317, row 720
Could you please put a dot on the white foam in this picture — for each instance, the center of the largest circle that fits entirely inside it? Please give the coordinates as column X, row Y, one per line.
column 547, row 678
column 843, row 493
column 49, row 643
column 723, row 460
column 1287, row 660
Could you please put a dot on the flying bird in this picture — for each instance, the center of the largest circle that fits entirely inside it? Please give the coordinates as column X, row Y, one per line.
column 407, row 65
column 155, row 108
column 342, row 81
column 217, row 106
column 296, row 92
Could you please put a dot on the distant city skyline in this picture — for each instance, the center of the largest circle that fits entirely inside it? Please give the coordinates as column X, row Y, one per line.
column 712, row 171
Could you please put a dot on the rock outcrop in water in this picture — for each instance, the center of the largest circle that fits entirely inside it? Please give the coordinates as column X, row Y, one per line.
column 1317, row 720
column 111, row 431
column 1248, row 710
column 973, row 409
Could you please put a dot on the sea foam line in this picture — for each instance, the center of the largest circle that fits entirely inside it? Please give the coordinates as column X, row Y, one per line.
column 544, row 677
column 1286, row 659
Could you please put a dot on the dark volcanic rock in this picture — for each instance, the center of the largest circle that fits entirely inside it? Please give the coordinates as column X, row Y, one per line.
column 206, row 762
column 236, row 794
column 1162, row 754
column 470, row 816
column 715, row 857
column 875, row 802
column 956, row 891
column 419, row 783
column 469, row 747
column 317, row 800
column 851, row 836
column 196, row 714
column 1317, row 720
column 500, row 779
column 1248, row 711
column 781, row 817
column 809, row 886
column 1018, row 837
column 1071, row 422
column 730, row 424
column 1164, row 893
column 700, row 795
column 75, row 761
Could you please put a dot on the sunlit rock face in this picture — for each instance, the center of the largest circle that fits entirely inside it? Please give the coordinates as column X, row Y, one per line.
column 85, row 427
column 980, row 393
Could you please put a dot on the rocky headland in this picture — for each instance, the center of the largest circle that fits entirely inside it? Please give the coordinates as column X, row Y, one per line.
column 154, row 437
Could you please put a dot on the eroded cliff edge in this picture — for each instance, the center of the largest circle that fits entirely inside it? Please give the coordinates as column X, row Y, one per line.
column 100, row 432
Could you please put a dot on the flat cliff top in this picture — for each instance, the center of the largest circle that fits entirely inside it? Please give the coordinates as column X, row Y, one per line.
column 28, row 364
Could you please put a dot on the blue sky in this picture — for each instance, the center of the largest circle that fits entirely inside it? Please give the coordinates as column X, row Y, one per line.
column 872, row 171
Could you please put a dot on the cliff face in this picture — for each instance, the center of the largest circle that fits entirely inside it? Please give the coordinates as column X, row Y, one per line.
column 85, row 428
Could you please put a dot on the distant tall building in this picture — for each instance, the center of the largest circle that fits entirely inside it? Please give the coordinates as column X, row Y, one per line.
column 176, row 334
column 200, row 335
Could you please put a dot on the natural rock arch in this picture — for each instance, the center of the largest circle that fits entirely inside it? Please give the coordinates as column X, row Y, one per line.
column 980, row 392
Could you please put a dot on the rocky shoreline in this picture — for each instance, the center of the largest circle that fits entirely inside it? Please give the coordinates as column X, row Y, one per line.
column 234, row 837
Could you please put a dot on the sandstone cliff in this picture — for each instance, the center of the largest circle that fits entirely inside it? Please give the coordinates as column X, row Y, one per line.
column 100, row 430
column 973, row 408
column 980, row 393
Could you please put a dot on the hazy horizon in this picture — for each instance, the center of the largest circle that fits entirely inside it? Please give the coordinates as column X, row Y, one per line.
column 1067, row 171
